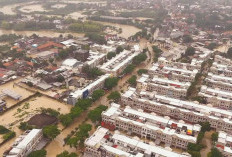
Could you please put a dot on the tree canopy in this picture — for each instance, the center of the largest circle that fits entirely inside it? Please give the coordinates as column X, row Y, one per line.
column 66, row 154
column 111, row 82
column 97, row 94
column 95, row 114
column 51, row 131
column 38, row 153
column 115, row 96
column 132, row 81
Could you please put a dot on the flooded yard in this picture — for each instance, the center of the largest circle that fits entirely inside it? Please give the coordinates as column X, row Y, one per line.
column 10, row 85
column 25, row 111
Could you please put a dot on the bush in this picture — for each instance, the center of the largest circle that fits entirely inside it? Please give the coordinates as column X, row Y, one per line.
column 111, row 55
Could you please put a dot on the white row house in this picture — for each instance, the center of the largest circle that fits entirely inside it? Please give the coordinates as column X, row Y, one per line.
column 104, row 144
column 150, row 126
column 224, row 143
column 184, row 110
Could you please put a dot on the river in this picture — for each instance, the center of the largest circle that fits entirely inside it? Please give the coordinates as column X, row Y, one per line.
column 40, row 33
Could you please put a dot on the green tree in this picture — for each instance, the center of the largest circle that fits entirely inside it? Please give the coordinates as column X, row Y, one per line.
column 76, row 111
column 96, row 37
column 132, row 81
column 205, row 126
column 190, row 51
column 119, row 49
column 111, row 55
column 214, row 153
column 97, row 94
column 66, row 119
column 38, row 153
column 84, row 104
column 142, row 71
column 111, row 82
column 66, row 154
column 187, row 39
column 200, row 136
column 51, row 131
column 95, row 115
column 214, row 137
column 115, row 96
column 129, row 69
column 3, row 130
column 139, row 58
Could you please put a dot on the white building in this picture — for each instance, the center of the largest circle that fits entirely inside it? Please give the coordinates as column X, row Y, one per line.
column 117, row 64
column 224, row 143
column 184, row 110
column 163, row 86
column 150, row 126
column 26, row 143
column 103, row 143
column 70, row 63
column 173, row 73
column 88, row 90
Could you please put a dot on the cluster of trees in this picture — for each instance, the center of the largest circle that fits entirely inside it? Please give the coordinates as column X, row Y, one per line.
column 132, row 80
column 157, row 53
column 75, row 112
column 192, row 89
column 92, row 73
column 80, row 136
column 95, row 114
column 86, row 27
column 96, row 37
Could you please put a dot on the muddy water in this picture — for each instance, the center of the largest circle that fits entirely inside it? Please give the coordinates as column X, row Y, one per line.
column 15, row 117
column 40, row 33
column 127, row 30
